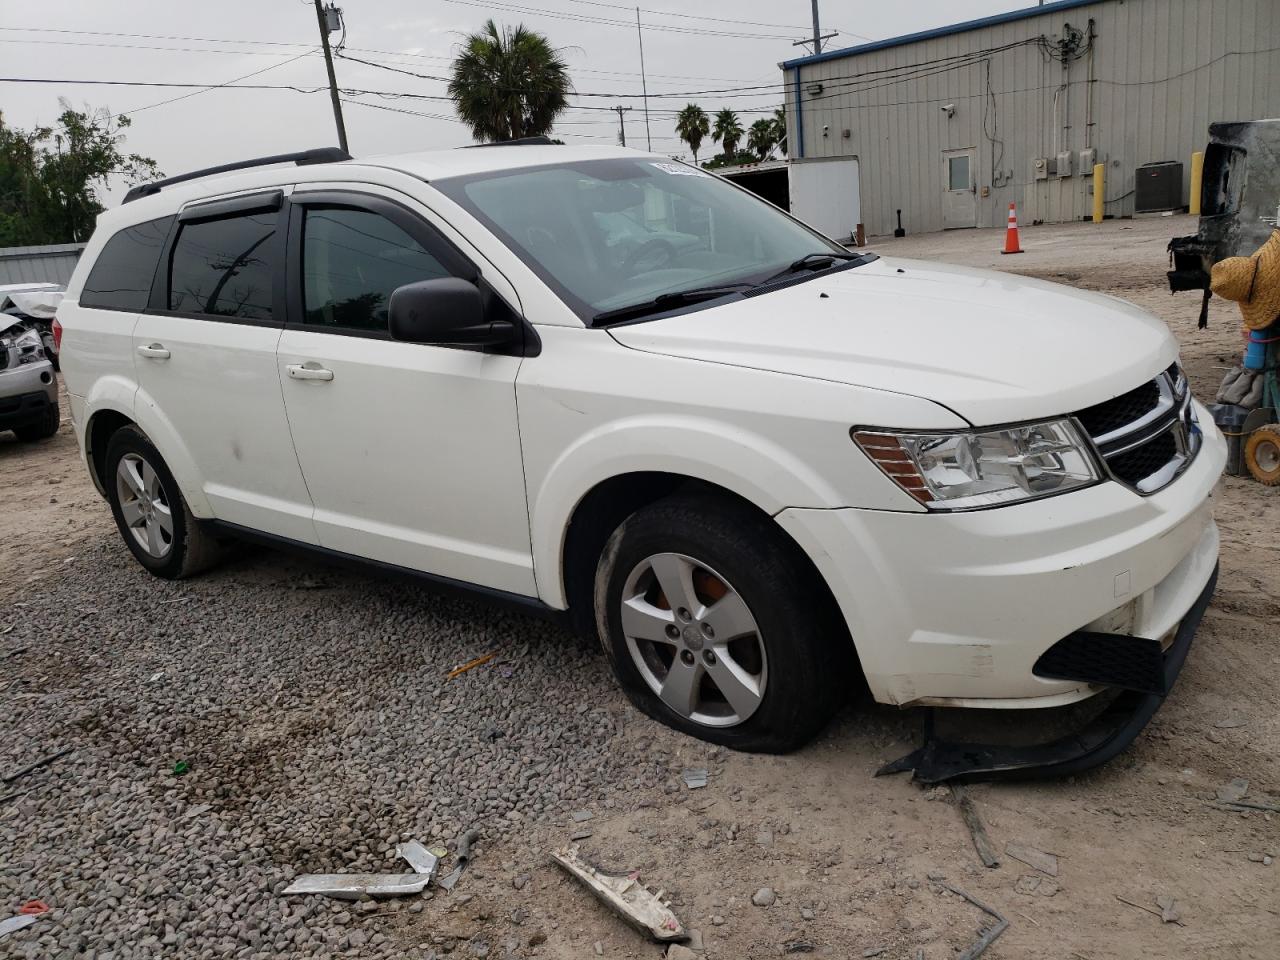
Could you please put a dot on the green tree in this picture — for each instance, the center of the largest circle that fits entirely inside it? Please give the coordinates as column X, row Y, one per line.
column 779, row 122
column 760, row 138
column 692, row 124
column 728, row 130
column 51, row 177
column 509, row 84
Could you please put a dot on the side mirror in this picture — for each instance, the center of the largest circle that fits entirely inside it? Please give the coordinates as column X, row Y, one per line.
column 446, row 311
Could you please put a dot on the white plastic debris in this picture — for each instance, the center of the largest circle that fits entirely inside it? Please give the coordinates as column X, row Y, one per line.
column 648, row 912
column 14, row 924
column 422, row 860
column 357, row 886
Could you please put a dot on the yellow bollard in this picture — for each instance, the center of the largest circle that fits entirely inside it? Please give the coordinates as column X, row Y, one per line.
column 1099, row 190
column 1197, row 176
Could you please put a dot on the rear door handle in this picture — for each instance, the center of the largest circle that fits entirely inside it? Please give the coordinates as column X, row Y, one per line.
column 156, row 351
column 308, row 371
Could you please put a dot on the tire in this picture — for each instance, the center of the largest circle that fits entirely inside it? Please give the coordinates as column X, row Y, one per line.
column 45, row 428
column 1262, row 454
column 143, row 496
column 784, row 671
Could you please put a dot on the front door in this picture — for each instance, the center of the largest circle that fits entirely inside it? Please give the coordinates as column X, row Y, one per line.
column 205, row 356
column 411, row 452
column 959, row 191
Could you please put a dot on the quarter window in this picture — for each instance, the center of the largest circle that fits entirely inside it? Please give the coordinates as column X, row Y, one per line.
column 225, row 268
column 121, row 276
column 352, row 260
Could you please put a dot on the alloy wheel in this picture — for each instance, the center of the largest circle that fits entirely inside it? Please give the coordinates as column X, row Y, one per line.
column 694, row 640
column 145, row 507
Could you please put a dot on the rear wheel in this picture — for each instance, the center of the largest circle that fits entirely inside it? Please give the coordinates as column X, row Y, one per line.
column 714, row 626
column 150, row 512
column 46, row 427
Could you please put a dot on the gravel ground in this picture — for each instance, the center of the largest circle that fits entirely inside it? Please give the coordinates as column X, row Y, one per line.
column 313, row 710
column 267, row 682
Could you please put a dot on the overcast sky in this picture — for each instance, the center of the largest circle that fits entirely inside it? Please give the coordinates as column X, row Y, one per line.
column 700, row 47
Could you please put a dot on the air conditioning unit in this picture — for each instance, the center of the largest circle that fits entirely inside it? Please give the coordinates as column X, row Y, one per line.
column 1087, row 159
column 1064, row 163
column 1040, row 168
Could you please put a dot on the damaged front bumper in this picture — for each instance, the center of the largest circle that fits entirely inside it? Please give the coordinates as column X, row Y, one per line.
column 1108, row 734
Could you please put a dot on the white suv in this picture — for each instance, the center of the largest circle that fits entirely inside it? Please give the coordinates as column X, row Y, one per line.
column 743, row 455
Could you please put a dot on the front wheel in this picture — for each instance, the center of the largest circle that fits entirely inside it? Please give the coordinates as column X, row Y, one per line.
column 715, row 627
column 150, row 512
column 42, row 429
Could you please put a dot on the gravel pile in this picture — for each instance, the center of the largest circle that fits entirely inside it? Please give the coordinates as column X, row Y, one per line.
column 312, row 710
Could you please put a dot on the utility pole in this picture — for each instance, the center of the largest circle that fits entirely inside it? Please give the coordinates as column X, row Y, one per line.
column 323, row 21
column 818, row 35
column 622, row 129
column 644, row 85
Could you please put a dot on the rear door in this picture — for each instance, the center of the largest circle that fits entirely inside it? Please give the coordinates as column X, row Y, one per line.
column 411, row 452
column 206, row 361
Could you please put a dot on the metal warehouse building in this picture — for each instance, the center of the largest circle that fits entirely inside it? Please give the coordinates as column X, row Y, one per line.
column 951, row 125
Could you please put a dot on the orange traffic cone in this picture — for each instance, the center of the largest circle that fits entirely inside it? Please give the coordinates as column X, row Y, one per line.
column 1011, row 242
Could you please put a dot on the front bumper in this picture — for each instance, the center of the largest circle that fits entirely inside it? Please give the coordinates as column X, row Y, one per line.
column 956, row 609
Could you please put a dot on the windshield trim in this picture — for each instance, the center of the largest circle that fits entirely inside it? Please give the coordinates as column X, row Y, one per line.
column 454, row 188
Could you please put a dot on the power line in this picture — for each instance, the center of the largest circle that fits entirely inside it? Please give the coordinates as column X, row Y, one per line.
column 695, row 16
column 586, row 18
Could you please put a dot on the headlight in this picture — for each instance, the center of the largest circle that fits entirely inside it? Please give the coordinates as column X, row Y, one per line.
column 30, row 347
column 961, row 471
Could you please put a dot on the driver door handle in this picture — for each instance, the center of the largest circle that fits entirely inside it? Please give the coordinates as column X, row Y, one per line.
column 308, row 371
column 156, row 351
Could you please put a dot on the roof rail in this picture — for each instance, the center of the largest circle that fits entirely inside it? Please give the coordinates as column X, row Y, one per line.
column 302, row 158
column 517, row 142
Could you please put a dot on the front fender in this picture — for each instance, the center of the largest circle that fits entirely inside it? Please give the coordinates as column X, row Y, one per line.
column 745, row 463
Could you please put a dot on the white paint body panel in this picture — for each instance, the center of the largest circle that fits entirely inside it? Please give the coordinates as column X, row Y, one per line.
column 469, row 465
column 824, row 194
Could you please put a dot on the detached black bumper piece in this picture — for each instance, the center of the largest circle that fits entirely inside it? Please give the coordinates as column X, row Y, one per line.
column 1104, row 737
column 23, row 409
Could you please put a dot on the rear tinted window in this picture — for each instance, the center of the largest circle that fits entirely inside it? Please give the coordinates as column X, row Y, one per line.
column 225, row 268
column 121, row 276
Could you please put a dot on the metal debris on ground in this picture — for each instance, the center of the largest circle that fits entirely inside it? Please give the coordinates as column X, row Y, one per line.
column 645, row 910
column 461, row 857
column 14, row 924
column 357, row 886
column 23, row 771
column 981, row 842
column 1151, row 910
column 695, row 778
column 422, row 860
column 470, row 665
column 1044, row 862
column 988, row 936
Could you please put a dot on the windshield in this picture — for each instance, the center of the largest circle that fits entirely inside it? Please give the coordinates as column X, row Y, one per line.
column 607, row 234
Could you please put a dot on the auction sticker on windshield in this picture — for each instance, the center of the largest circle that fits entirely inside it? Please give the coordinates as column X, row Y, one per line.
column 678, row 170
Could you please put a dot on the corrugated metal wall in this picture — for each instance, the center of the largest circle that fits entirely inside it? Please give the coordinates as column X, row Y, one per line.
column 51, row 264
column 1162, row 71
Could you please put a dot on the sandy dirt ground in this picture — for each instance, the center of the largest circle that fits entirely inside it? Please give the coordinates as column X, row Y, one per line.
column 850, row 857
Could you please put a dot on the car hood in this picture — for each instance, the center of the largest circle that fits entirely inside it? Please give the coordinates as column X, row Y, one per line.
column 993, row 347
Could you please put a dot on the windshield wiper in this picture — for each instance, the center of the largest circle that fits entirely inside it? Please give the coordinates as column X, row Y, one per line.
column 810, row 261
column 677, row 298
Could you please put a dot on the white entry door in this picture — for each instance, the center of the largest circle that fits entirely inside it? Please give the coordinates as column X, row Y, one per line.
column 959, row 191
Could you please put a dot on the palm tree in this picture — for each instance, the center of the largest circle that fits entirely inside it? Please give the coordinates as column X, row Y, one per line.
column 779, row 122
column 692, row 124
column 509, row 84
column 728, row 131
column 760, row 138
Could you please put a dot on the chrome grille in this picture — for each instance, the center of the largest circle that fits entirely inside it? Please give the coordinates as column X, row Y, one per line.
column 1147, row 436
